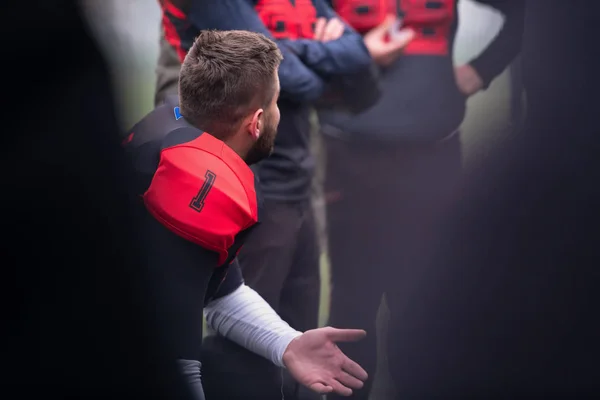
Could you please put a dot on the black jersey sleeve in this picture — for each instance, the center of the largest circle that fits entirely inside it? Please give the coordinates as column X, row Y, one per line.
column 231, row 280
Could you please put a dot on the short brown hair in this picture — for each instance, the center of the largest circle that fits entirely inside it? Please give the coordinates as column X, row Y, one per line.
column 224, row 75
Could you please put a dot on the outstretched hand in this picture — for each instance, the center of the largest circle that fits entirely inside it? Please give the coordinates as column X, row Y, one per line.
column 315, row 361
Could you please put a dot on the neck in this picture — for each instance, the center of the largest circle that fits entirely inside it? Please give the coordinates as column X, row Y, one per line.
column 233, row 141
column 236, row 145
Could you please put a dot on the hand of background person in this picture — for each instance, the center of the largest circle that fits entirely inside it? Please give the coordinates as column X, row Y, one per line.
column 326, row 31
column 383, row 51
column 468, row 80
column 315, row 361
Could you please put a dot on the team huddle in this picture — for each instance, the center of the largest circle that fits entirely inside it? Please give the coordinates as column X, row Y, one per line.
column 225, row 158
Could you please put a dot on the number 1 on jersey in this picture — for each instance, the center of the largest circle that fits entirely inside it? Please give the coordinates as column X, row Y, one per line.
column 197, row 202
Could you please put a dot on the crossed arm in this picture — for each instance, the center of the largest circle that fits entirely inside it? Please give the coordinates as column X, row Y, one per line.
column 307, row 64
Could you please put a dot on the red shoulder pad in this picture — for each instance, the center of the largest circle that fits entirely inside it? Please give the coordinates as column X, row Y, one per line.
column 204, row 192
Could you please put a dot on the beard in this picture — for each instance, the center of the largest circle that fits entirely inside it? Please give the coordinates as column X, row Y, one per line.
column 263, row 146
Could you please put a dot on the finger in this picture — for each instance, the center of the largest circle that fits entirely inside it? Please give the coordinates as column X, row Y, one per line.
column 333, row 30
column 340, row 389
column 349, row 381
column 401, row 39
column 352, row 368
column 329, row 30
column 340, row 29
column 320, row 388
column 384, row 27
column 395, row 47
column 320, row 28
column 345, row 335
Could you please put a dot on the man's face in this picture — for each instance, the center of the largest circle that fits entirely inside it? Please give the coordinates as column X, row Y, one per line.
column 263, row 147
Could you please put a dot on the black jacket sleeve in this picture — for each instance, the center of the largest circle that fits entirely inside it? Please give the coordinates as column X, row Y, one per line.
column 507, row 44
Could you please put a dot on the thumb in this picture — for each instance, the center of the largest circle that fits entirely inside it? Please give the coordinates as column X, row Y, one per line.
column 345, row 335
column 400, row 39
column 384, row 27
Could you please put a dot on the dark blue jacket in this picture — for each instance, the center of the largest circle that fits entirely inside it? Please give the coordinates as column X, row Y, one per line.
column 306, row 69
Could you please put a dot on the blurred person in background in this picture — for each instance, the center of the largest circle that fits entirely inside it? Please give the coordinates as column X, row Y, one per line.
column 502, row 298
column 281, row 260
column 389, row 168
column 198, row 201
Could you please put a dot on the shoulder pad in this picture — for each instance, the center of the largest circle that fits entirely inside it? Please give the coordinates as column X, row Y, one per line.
column 204, row 192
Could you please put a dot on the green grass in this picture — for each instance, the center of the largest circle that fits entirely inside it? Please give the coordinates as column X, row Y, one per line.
column 325, row 291
column 135, row 94
column 487, row 119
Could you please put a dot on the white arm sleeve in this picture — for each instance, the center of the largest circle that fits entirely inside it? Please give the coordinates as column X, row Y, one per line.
column 247, row 319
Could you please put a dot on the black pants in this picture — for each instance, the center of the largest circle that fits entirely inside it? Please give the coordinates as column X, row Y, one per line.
column 281, row 262
column 380, row 199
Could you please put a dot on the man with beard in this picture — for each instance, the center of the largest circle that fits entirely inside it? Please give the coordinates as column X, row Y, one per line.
column 325, row 61
column 200, row 202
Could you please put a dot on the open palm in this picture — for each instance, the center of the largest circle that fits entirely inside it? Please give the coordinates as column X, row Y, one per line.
column 315, row 361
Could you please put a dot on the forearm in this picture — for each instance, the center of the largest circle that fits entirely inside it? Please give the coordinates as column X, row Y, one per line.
column 346, row 55
column 506, row 45
column 246, row 319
